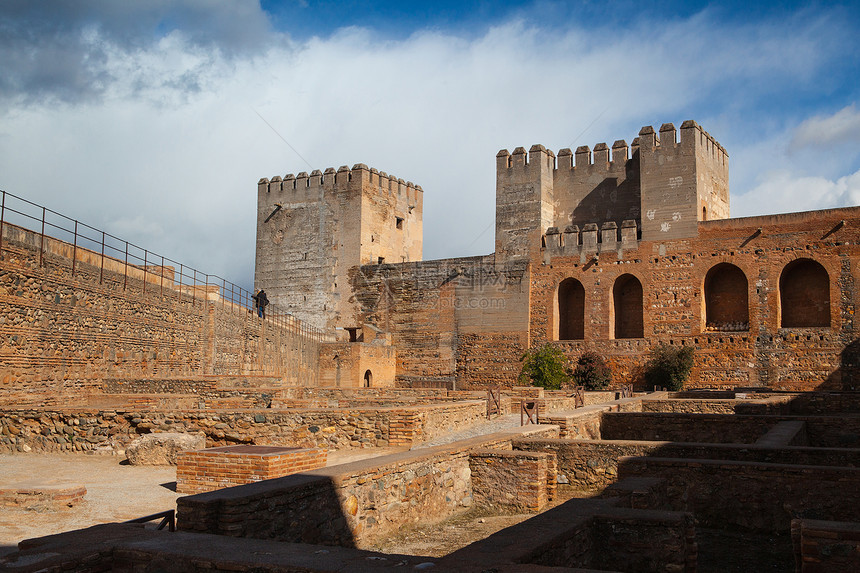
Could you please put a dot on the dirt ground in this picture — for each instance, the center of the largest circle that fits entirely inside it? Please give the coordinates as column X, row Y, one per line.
column 116, row 491
column 441, row 539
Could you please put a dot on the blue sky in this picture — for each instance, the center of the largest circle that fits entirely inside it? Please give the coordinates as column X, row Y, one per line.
column 144, row 118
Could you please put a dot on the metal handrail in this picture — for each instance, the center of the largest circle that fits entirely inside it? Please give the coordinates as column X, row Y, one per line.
column 168, row 518
column 185, row 279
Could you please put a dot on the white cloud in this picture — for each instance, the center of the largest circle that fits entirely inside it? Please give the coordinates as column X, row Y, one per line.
column 842, row 127
column 173, row 148
column 784, row 192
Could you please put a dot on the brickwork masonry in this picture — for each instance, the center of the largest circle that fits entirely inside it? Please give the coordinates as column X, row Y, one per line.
column 61, row 326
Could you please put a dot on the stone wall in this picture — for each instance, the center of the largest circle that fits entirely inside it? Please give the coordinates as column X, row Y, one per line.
column 430, row 307
column 754, row 350
column 357, row 365
column 752, row 495
column 350, row 505
column 703, row 428
column 825, row 546
column 62, row 325
column 593, row 464
column 69, row 430
column 512, row 481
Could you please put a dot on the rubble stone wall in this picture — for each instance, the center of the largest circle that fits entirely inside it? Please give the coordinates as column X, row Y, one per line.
column 111, row 430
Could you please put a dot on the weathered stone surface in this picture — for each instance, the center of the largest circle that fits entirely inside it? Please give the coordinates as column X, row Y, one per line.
column 162, row 449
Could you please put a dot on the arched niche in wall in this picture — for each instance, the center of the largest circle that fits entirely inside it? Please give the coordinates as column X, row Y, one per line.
column 570, row 310
column 804, row 295
column 627, row 307
column 368, row 378
column 726, row 299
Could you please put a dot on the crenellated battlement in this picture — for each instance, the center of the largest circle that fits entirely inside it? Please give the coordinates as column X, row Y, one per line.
column 664, row 181
column 591, row 238
column 692, row 135
column 341, row 179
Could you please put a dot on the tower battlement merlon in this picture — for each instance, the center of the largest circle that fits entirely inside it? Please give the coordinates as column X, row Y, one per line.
column 684, row 179
column 601, row 159
column 332, row 179
column 537, row 157
column 691, row 135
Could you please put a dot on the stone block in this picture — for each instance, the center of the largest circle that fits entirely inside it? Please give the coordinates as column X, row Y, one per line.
column 162, row 449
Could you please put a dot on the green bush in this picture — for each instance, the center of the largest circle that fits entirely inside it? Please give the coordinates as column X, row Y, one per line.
column 669, row 367
column 544, row 366
column 592, row 371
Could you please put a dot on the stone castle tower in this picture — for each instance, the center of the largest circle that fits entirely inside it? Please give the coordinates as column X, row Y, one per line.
column 312, row 229
column 655, row 190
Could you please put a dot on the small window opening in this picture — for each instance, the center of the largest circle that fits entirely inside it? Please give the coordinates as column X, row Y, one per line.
column 398, row 222
column 380, row 260
column 368, row 379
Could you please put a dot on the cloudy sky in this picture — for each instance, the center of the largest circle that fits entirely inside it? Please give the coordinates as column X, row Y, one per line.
column 154, row 119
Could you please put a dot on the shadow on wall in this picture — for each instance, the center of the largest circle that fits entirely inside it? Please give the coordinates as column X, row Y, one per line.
column 609, row 201
column 299, row 508
column 7, row 549
column 847, row 376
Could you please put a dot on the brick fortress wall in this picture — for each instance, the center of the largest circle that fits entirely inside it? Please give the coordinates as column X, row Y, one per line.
column 755, row 349
column 766, row 301
column 60, row 328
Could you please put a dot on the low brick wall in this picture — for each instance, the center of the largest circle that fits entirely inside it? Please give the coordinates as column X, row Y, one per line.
column 199, row 471
column 593, row 464
column 350, row 505
column 772, row 405
column 757, row 496
column 585, row 422
column 825, row 546
column 47, row 497
column 700, row 428
column 825, row 403
column 510, row 480
column 589, row 534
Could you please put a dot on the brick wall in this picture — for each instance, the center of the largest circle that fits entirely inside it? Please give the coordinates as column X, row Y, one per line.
column 708, row 428
column 757, row 496
column 199, row 471
column 825, row 546
column 508, row 480
column 593, row 464
column 93, row 429
column 350, row 505
column 106, row 319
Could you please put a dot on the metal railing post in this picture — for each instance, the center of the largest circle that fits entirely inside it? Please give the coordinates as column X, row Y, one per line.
column 162, row 276
column 2, row 219
column 144, row 271
column 102, row 267
column 180, row 284
column 125, row 269
column 42, row 239
column 75, row 250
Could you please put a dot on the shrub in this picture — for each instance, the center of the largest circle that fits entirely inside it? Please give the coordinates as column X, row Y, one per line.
column 592, row 371
column 544, row 366
column 669, row 367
